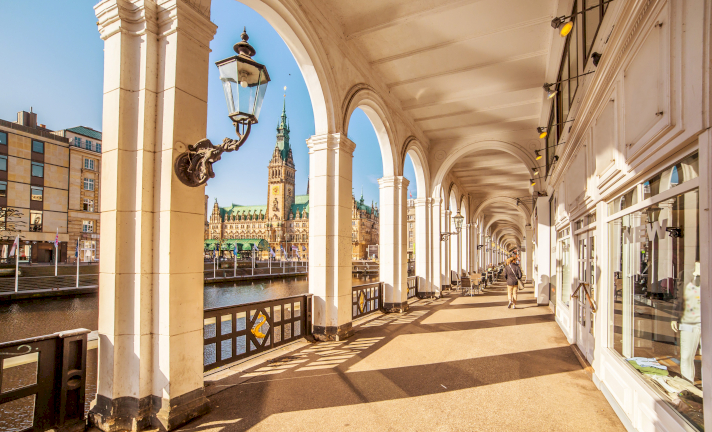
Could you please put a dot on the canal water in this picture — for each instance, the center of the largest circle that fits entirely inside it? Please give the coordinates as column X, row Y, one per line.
column 30, row 318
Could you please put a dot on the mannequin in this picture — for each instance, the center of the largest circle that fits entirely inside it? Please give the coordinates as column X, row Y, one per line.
column 689, row 326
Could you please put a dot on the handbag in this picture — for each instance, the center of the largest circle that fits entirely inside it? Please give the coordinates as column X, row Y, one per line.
column 520, row 286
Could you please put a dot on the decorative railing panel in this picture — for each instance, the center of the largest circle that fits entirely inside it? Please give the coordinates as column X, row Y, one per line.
column 43, row 381
column 366, row 299
column 412, row 286
column 232, row 333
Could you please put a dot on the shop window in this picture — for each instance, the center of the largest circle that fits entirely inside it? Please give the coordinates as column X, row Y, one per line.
column 35, row 220
column 563, row 265
column 37, row 169
column 655, row 321
column 3, row 163
column 36, row 193
column 681, row 172
column 37, row 146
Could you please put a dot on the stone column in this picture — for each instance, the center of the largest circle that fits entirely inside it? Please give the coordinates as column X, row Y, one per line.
column 422, row 244
column 446, row 249
column 436, row 246
column 150, row 371
column 529, row 245
column 393, row 242
column 543, row 252
column 330, row 162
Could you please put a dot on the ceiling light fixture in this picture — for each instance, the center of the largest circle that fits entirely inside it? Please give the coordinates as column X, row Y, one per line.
column 542, row 131
column 549, row 92
column 535, row 171
column 532, row 181
column 538, row 154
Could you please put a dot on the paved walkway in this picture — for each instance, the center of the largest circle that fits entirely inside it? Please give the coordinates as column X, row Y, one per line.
column 453, row 364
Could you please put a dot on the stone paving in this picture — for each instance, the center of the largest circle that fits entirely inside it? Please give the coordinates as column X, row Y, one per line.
column 453, row 364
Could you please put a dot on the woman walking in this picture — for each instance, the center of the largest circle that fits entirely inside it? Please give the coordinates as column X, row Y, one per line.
column 513, row 274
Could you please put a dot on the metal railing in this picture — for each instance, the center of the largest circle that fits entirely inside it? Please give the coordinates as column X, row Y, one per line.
column 366, row 299
column 412, row 286
column 232, row 333
column 43, row 381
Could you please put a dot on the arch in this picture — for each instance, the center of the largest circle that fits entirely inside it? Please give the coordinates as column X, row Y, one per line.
column 509, row 201
column 413, row 148
column 364, row 97
column 306, row 47
column 502, row 217
column 511, row 148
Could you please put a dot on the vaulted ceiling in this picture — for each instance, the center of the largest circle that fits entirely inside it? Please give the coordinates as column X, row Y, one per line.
column 466, row 71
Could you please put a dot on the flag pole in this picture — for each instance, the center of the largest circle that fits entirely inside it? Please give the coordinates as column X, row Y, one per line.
column 77, row 255
column 55, row 252
column 17, row 265
column 234, row 261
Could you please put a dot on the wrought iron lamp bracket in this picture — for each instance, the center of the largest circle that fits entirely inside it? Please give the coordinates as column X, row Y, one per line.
column 195, row 166
column 446, row 235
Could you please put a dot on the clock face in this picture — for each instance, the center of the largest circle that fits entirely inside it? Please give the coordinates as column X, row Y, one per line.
column 275, row 189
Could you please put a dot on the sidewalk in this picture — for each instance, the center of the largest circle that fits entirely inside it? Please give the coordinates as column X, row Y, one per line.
column 453, row 364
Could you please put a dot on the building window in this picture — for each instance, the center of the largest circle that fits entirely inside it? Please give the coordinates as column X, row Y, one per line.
column 77, row 142
column 3, row 163
column 88, row 184
column 35, row 220
column 37, row 146
column 87, row 144
column 88, row 226
column 89, row 164
column 88, row 205
column 37, row 169
column 36, row 193
column 3, row 189
column 98, row 147
column 3, row 138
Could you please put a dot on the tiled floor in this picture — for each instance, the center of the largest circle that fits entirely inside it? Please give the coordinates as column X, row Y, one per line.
column 454, row 364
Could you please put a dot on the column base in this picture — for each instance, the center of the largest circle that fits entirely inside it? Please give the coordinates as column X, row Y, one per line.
column 134, row 414
column 333, row 333
column 396, row 307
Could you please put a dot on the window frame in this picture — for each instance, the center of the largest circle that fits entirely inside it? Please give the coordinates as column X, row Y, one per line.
column 89, row 181
column 33, row 166
column 6, row 138
column 41, row 143
column 41, row 189
column 3, row 158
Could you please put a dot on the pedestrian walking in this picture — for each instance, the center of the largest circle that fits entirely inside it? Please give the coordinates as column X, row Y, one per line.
column 513, row 274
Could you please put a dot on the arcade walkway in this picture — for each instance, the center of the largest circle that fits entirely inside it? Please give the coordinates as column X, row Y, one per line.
column 453, row 364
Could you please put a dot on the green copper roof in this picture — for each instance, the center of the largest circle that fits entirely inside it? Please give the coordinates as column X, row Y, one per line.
column 237, row 209
column 242, row 244
column 87, row 132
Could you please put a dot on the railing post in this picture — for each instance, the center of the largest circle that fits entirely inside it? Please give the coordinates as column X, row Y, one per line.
column 71, row 383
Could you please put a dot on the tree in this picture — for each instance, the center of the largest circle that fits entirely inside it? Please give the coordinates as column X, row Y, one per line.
column 11, row 224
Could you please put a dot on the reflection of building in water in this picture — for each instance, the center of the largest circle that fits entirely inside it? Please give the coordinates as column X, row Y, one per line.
column 284, row 221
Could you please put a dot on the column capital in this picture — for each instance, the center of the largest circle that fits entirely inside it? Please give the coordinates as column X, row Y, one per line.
column 335, row 141
column 191, row 18
column 421, row 201
column 384, row 182
column 133, row 18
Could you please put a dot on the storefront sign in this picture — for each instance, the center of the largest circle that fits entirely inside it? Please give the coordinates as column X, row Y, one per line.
column 645, row 233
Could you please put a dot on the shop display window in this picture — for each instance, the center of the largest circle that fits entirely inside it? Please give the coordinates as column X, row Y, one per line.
column 563, row 265
column 655, row 319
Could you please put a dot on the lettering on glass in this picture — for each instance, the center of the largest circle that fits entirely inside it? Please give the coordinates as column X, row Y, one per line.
column 644, row 233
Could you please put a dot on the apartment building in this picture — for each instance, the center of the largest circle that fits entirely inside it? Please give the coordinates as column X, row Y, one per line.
column 49, row 187
column 84, row 175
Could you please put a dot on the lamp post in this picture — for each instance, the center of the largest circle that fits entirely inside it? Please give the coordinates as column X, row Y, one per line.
column 244, row 83
column 458, row 219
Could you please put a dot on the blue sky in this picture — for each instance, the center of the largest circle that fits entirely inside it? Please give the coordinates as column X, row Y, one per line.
column 64, row 86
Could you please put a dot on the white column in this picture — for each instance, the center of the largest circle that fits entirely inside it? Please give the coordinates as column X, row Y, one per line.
column 423, row 240
column 436, row 255
column 150, row 370
column 393, row 241
column 529, row 245
column 330, row 162
column 447, row 249
column 543, row 252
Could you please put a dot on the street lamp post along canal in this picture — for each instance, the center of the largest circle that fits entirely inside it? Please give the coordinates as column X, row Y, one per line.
column 244, row 83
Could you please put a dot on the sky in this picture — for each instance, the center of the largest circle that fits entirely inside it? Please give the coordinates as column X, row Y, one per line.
column 58, row 72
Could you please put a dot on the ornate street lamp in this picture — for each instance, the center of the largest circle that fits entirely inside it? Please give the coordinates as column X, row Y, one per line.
column 458, row 219
column 244, row 83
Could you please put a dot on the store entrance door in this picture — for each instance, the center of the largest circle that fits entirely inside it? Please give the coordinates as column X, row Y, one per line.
column 585, row 313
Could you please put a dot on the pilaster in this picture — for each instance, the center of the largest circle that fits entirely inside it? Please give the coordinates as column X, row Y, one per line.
column 423, row 239
column 543, row 252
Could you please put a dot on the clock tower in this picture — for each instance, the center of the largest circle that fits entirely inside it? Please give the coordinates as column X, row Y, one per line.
column 281, row 171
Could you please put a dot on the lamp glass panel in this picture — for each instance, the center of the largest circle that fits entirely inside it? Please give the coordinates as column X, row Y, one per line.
column 244, row 85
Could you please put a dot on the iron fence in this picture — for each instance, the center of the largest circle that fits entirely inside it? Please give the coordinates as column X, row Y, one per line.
column 43, row 381
column 232, row 333
column 366, row 299
column 412, row 286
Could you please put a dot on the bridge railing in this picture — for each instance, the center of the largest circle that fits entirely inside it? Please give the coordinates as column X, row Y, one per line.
column 366, row 299
column 43, row 381
column 412, row 286
column 232, row 333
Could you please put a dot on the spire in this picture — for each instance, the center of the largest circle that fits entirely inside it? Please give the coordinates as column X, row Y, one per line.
column 362, row 194
column 283, row 131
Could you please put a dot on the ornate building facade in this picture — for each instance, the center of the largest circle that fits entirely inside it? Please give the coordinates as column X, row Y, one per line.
column 284, row 221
